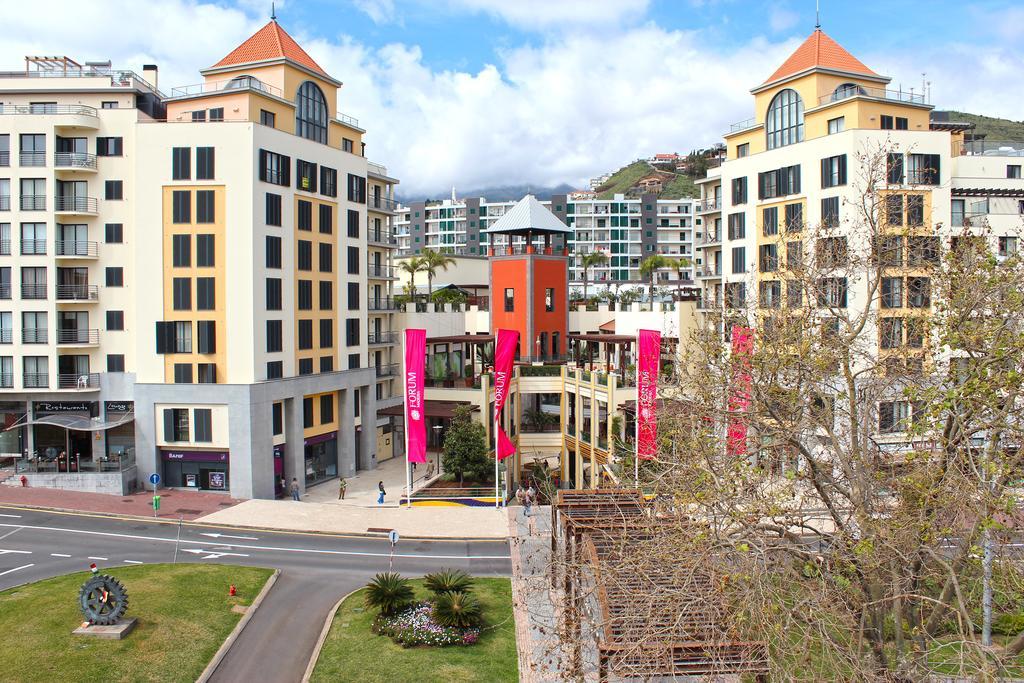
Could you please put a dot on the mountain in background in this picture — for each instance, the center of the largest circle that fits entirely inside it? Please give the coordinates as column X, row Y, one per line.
column 505, row 193
column 991, row 128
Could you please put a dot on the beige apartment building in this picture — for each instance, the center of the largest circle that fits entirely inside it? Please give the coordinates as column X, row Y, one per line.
column 198, row 282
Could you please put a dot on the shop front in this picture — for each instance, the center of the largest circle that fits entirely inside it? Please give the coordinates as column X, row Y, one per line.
column 12, row 436
column 203, row 470
column 321, row 456
column 62, row 434
column 280, row 486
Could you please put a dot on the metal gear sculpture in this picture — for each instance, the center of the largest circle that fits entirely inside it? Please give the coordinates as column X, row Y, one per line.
column 103, row 599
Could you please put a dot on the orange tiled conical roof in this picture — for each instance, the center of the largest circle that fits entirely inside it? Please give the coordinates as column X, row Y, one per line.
column 270, row 42
column 820, row 51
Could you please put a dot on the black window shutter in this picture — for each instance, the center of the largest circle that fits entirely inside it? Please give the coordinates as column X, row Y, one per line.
column 164, row 337
column 286, row 171
column 825, row 174
column 796, row 181
column 760, row 185
column 842, row 169
column 312, row 177
column 263, row 165
column 168, row 423
column 207, row 336
column 932, row 169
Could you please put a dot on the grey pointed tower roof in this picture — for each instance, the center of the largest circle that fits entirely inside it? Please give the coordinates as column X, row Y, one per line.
column 526, row 217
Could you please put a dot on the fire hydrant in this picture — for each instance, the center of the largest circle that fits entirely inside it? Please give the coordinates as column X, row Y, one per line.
column 231, row 591
column 24, row 480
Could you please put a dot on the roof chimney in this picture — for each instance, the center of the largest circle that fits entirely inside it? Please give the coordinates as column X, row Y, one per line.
column 149, row 72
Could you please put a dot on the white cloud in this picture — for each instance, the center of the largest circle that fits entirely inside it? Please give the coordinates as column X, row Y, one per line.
column 781, row 18
column 549, row 13
column 380, row 11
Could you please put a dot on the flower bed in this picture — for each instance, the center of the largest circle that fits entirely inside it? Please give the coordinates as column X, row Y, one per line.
column 416, row 626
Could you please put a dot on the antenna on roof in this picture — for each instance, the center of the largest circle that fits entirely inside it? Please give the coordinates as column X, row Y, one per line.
column 273, row 12
column 817, row 14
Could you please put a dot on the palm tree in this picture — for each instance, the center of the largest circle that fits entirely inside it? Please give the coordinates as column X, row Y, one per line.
column 649, row 268
column 411, row 266
column 681, row 264
column 591, row 260
column 431, row 261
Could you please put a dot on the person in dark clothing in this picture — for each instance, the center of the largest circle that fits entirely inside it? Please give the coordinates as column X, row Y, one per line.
column 380, row 497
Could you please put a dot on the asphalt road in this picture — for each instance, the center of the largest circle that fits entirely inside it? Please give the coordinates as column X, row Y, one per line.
column 316, row 570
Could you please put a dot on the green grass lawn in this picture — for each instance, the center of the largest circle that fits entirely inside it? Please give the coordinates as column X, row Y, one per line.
column 353, row 653
column 183, row 611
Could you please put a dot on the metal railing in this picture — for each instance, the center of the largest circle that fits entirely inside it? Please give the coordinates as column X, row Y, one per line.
column 714, row 204
column 6, row 335
column 384, row 303
column 240, row 83
column 380, row 270
column 379, row 169
column 79, row 380
column 5, row 158
column 742, row 125
column 74, row 160
column 844, row 93
column 32, row 158
column 5, row 247
column 709, row 272
column 381, row 237
column 30, row 335
column 389, row 370
column 993, row 148
column 79, row 109
column 33, row 247
column 33, row 291
column 5, row 202
column 75, row 204
column 78, row 292
column 5, row 291
column 377, row 202
column 382, row 338
column 78, row 336
column 76, row 248
column 6, row 380
column 35, row 380
column 118, row 77
column 33, row 202
column 712, row 237
column 348, row 120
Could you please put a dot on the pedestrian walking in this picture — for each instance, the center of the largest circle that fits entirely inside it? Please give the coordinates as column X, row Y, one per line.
column 295, row 488
column 521, row 497
column 531, row 496
column 380, row 496
column 342, row 485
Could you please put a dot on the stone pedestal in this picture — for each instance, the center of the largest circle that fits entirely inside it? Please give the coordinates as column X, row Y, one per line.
column 116, row 631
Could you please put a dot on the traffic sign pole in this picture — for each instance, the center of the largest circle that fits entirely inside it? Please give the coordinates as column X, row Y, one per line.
column 393, row 537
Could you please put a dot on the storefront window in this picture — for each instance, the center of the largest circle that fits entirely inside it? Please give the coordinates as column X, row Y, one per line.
column 321, row 458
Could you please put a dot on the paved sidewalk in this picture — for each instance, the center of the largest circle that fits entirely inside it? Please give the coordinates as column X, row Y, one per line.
column 534, row 601
column 188, row 505
column 418, row 522
column 362, row 488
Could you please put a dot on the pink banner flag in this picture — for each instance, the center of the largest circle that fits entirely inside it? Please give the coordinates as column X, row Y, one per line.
column 739, row 397
column 648, row 364
column 505, row 445
column 415, row 419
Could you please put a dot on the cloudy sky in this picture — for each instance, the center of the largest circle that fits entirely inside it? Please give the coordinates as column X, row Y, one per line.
column 478, row 93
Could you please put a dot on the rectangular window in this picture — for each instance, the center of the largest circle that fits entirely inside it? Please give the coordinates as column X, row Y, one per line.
column 268, row 118
column 832, row 252
column 770, row 221
column 894, row 168
column 275, row 336
column 275, row 168
column 206, row 298
column 901, row 123
column 794, row 217
column 326, row 409
column 207, row 373
column 353, row 223
column 832, row 292
column 275, row 369
column 305, row 335
column 737, row 226
column 273, row 294
column 182, row 336
column 182, row 293
column 113, row 189
column 356, row 189
column 305, row 293
column 894, row 209
column 743, row 150
column 352, row 332
column 890, row 333
column 894, row 416
column 305, row 366
column 204, row 163
column 922, row 251
column 205, row 209
column 739, row 260
column 768, row 258
column 304, row 220
column 206, row 336
column 176, row 424
column 205, row 251
column 794, row 255
column 115, row 276
column 886, row 122
column 510, row 304
column 892, row 292
column 1007, row 245
column 739, row 190
column 203, row 418
column 113, row 233
column 33, row 239
column 923, row 169
column 181, row 206
column 1013, row 171
column 327, row 294
column 109, row 147
column 183, row 375
column 770, row 294
column 181, row 251
column 919, row 292
column 307, row 412
column 735, row 294
column 833, row 171
column 346, row 145
column 273, row 212
column 326, row 334
column 353, row 296
column 181, row 163
column 889, row 251
column 353, row 260
column 830, row 212
column 794, row 294
column 115, row 362
column 273, row 251
column 305, row 176
column 549, row 299
column 217, row 114
column 915, row 210
column 326, row 258
column 115, row 320
column 778, row 183
column 326, row 223
column 328, row 181
column 304, row 255
column 836, row 125
column 353, row 363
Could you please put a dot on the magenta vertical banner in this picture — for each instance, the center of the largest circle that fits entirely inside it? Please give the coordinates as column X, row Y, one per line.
column 415, row 419
column 648, row 363
column 739, row 396
column 505, row 342
column 505, row 445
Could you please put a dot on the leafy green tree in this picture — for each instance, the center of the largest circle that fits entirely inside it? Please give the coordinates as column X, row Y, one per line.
column 465, row 451
column 411, row 266
column 649, row 268
column 431, row 262
column 591, row 260
column 448, row 296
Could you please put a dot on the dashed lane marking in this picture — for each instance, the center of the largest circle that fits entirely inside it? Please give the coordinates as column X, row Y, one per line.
column 24, row 566
column 96, row 558
column 4, row 551
column 12, row 531
column 59, row 555
column 14, row 516
column 132, row 562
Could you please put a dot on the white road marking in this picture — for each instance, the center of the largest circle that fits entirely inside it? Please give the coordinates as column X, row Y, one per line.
column 16, row 552
column 14, row 516
column 59, row 555
column 132, row 562
column 219, row 535
column 24, row 566
column 12, row 531
column 213, row 554
column 97, row 558
column 242, row 546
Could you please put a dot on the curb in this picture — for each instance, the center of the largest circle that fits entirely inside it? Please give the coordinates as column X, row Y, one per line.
column 233, row 636
column 323, row 636
column 221, row 525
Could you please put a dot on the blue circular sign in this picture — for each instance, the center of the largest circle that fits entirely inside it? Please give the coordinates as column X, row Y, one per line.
column 154, row 479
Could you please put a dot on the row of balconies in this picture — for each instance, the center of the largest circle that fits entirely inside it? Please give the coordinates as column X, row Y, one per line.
column 63, row 292
column 61, row 204
column 76, row 161
column 34, row 380
column 67, row 249
column 70, row 337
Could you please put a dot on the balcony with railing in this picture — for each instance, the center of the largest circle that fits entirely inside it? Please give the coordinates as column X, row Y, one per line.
column 379, row 203
column 710, row 237
column 708, row 205
column 381, row 271
column 32, row 158
column 78, row 293
column 76, row 249
column 239, row 83
column 5, row 158
column 5, row 291
column 709, row 271
column 993, row 148
column 6, row 335
column 34, row 335
column 33, row 202
column 746, row 124
column 80, row 381
column 78, row 337
column 383, row 303
column 6, row 380
column 33, row 247
column 30, row 290
column 843, row 93
column 350, row 121
column 389, row 370
column 74, row 161
column 382, row 237
column 75, row 205
column 382, row 338
column 5, row 202
column 36, row 380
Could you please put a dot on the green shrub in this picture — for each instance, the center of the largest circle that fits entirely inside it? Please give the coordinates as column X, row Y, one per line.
column 389, row 593
column 1008, row 624
column 448, row 581
column 457, row 610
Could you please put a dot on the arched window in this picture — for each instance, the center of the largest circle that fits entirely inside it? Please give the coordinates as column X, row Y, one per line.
column 784, row 124
column 311, row 112
column 846, row 90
